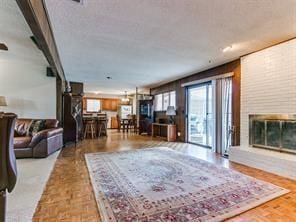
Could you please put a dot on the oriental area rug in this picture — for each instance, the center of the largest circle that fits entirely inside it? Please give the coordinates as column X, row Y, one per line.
column 160, row 184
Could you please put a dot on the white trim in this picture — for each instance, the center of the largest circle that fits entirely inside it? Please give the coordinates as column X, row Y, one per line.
column 225, row 75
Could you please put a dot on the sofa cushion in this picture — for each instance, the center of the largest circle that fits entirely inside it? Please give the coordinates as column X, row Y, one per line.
column 22, row 141
column 35, row 127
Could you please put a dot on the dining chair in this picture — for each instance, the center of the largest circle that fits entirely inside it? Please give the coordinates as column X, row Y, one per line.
column 133, row 123
column 122, row 124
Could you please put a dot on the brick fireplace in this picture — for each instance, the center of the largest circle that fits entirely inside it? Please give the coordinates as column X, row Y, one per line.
column 268, row 88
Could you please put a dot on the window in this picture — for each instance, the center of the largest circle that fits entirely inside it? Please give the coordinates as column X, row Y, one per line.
column 158, row 102
column 162, row 101
column 93, row 105
column 166, row 101
column 173, row 99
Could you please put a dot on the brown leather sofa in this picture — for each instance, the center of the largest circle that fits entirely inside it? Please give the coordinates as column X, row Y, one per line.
column 41, row 144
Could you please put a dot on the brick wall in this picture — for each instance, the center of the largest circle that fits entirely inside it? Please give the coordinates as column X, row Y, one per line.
column 268, row 83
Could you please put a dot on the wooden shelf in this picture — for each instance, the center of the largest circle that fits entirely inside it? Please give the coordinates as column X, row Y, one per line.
column 166, row 131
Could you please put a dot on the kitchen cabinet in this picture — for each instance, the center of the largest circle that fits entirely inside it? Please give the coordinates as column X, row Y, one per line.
column 109, row 104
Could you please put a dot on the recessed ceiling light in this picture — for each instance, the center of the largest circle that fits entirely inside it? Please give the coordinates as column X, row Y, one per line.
column 226, row 49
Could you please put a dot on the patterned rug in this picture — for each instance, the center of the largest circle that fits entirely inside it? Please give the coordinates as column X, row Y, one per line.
column 160, row 184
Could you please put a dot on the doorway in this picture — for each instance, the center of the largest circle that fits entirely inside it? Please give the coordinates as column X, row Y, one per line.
column 200, row 114
column 209, row 114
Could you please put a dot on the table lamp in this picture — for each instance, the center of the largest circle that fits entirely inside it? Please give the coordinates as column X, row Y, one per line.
column 2, row 103
column 171, row 112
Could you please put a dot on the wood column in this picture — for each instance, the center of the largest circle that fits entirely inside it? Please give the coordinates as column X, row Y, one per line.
column 59, row 99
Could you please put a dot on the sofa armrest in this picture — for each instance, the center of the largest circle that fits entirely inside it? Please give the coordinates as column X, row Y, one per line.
column 44, row 134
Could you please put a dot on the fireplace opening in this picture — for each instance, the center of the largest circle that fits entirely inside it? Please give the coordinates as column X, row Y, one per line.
column 276, row 132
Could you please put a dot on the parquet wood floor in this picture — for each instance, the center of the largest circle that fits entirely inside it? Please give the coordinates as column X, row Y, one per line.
column 68, row 195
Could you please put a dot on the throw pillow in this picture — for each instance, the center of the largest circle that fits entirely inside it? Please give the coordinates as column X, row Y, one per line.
column 35, row 127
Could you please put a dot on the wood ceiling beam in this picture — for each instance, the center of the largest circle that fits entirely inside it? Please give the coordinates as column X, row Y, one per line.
column 3, row 47
column 37, row 18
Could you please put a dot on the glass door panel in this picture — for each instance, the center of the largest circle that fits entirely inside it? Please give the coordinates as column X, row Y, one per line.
column 200, row 115
column 210, row 119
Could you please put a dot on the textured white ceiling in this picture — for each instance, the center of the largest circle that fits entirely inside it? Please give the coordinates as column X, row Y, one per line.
column 147, row 42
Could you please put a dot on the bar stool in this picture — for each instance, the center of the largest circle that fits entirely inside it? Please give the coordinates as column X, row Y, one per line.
column 90, row 128
column 103, row 126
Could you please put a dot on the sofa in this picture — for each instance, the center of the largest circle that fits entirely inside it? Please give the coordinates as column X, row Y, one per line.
column 39, row 145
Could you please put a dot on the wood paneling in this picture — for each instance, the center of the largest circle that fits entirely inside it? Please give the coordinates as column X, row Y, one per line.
column 236, row 103
column 180, row 118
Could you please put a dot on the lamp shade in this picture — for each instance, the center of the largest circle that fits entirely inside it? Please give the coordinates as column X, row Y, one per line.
column 3, row 101
column 170, row 111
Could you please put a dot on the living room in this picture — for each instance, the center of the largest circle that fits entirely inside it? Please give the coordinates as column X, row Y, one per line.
column 164, row 111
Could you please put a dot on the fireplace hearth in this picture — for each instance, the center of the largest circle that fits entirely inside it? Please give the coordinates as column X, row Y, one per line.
column 273, row 131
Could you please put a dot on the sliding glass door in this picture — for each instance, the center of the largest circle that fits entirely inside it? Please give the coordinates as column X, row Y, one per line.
column 200, row 115
column 209, row 114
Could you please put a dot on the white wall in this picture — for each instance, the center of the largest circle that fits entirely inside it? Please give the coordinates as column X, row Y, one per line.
column 23, row 80
column 29, row 93
column 268, row 83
